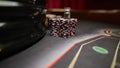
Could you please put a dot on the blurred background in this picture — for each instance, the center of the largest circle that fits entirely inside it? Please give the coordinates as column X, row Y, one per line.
column 84, row 4
column 107, row 11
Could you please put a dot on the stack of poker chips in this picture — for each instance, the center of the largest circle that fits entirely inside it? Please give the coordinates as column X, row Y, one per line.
column 62, row 27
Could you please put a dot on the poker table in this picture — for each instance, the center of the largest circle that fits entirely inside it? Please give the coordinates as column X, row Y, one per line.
column 95, row 45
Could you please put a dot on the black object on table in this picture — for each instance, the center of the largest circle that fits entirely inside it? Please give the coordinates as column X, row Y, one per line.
column 22, row 23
